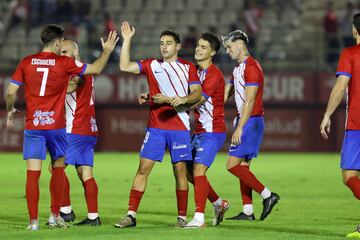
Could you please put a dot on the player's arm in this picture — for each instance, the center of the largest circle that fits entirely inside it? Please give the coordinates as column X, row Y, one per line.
column 125, row 64
column 335, row 99
column 193, row 97
column 229, row 91
column 10, row 103
column 108, row 46
column 250, row 96
column 74, row 83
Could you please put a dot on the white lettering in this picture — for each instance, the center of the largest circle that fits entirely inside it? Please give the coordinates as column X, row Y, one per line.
column 284, row 127
column 36, row 61
column 130, row 88
column 282, row 88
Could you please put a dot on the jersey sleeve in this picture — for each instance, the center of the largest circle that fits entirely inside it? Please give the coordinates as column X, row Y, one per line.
column 144, row 66
column 193, row 76
column 18, row 76
column 345, row 64
column 73, row 66
column 210, row 85
column 253, row 75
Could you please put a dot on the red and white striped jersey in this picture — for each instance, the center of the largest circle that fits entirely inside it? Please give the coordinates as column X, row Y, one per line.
column 80, row 109
column 209, row 117
column 248, row 73
column 171, row 79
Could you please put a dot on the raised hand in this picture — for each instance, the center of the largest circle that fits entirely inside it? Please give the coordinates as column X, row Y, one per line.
column 111, row 41
column 127, row 32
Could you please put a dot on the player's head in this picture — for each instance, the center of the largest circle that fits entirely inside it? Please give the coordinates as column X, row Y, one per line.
column 52, row 37
column 169, row 44
column 69, row 48
column 235, row 43
column 207, row 46
column 356, row 26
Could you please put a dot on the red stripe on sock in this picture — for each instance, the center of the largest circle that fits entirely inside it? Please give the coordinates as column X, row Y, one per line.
column 212, row 196
column 134, row 199
column 32, row 193
column 57, row 183
column 244, row 174
column 201, row 187
column 66, row 197
column 91, row 195
column 246, row 191
column 182, row 201
column 354, row 184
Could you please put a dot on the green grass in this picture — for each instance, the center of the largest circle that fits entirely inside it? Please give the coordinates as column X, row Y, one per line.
column 314, row 203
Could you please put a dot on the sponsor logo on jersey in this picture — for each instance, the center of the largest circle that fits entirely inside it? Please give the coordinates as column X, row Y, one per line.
column 43, row 118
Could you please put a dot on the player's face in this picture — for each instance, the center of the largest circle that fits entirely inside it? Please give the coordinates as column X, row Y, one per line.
column 354, row 32
column 203, row 50
column 168, row 47
column 58, row 45
column 233, row 49
column 67, row 50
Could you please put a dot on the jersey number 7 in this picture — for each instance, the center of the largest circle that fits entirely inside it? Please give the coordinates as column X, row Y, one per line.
column 45, row 72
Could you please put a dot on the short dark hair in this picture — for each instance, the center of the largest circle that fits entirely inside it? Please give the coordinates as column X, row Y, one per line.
column 236, row 35
column 172, row 33
column 356, row 22
column 51, row 32
column 213, row 39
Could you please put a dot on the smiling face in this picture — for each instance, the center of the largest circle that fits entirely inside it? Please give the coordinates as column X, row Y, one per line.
column 168, row 47
column 203, row 50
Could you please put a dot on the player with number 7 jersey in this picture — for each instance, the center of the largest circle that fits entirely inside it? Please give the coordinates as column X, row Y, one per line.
column 45, row 77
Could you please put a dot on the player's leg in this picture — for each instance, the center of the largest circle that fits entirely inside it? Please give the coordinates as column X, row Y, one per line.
column 152, row 150
column 179, row 146
column 56, row 144
column 350, row 163
column 34, row 152
column 248, row 149
column 91, row 195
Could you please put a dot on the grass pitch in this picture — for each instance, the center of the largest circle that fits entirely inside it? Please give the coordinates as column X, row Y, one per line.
column 314, row 203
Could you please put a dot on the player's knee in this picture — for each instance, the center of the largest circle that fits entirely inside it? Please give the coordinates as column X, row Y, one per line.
column 143, row 171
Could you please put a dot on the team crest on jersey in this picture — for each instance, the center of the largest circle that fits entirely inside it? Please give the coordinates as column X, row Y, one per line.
column 43, row 118
column 78, row 63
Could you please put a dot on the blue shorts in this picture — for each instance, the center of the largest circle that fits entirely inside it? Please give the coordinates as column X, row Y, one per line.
column 350, row 152
column 80, row 150
column 250, row 140
column 37, row 141
column 204, row 147
column 157, row 140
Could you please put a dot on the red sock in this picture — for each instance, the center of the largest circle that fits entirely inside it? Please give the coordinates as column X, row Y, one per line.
column 246, row 191
column 212, row 196
column 32, row 193
column 57, row 183
column 248, row 177
column 66, row 197
column 201, row 188
column 182, row 201
column 134, row 199
column 354, row 184
column 91, row 195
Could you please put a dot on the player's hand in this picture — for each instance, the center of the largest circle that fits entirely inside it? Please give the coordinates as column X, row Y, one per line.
column 160, row 98
column 127, row 32
column 142, row 98
column 236, row 137
column 111, row 41
column 10, row 118
column 325, row 127
column 177, row 101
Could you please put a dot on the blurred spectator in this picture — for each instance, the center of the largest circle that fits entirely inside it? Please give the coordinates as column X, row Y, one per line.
column 189, row 42
column 63, row 12
column 345, row 20
column 109, row 24
column 252, row 16
column 19, row 14
column 331, row 37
